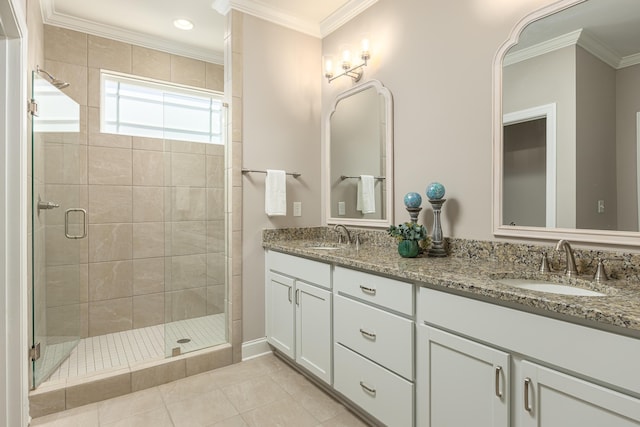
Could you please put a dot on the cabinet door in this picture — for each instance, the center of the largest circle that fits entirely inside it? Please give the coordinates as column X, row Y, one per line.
column 553, row 399
column 280, row 313
column 460, row 382
column 313, row 329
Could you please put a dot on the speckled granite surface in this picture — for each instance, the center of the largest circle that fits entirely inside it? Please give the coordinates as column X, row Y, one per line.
column 474, row 268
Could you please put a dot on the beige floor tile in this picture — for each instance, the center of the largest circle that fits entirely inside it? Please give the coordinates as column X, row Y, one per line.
column 319, row 404
column 156, row 418
column 83, row 416
column 187, row 388
column 204, row 410
column 346, row 419
column 237, row 373
column 235, row 421
column 291, row 381
column 254, row 393
column 122, row 407
column 280, row 413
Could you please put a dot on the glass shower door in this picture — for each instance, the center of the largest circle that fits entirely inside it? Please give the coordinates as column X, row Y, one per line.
column 58, row 161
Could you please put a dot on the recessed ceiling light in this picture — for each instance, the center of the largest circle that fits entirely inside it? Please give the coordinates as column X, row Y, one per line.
column 183, row 24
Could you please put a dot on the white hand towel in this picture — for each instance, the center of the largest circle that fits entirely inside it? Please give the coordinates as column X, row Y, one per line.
column 275, row 193
column 366, row 202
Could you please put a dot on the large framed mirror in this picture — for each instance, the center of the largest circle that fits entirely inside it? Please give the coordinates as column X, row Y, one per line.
column 359, row 156
column 567, row 124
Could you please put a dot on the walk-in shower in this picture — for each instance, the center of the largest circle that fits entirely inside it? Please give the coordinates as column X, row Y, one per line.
column 129, row 242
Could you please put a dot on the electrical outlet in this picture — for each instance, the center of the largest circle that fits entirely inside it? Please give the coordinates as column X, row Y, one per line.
column 297, row 208
column 600, row 206
column 342, row 209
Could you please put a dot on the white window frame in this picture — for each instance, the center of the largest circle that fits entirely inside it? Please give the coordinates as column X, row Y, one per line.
column 166, row 88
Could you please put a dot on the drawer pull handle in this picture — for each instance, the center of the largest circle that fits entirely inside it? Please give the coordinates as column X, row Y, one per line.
column 368, row 334
column 498, row 372
column 290, row 294
column 371, row 391
column 527, row 384
column 367, row 290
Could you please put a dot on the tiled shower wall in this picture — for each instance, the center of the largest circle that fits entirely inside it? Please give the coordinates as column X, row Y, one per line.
column 155, row 250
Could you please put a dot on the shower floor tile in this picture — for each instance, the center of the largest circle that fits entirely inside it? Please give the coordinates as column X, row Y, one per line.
column 127, row 348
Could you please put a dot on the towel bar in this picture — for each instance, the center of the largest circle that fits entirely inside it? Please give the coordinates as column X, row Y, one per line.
column 293, row 174
column 343, row 177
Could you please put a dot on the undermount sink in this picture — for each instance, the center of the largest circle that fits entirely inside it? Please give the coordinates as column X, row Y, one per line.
column 550, row 287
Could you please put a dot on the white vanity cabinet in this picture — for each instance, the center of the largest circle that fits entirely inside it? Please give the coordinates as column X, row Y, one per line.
column 298, row 311
column 519, row 369
column 373, row 324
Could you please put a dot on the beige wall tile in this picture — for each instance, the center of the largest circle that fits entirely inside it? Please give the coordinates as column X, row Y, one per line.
column 216, row 236
column 188, row 303
column 216, row 299
column 93, row 87
column 188, row 204
column 214, row 77
column 188, row 170
column 64, row 285
column 109, row 54
column 142, row 143
column 65, row 45
column 188, row 71
column 148, row 204
column 148, row 310
column 187, row 147
column 188, row 238
column 95, row 391
column 148, row 168
column 236, row 341
column 66, row 195
column 148, row 275
column 215, row 150
column 148, row 239
column 151, row 63
column 59, row 249
column 108, row 280
column 109, row 316
column 216, row 268
column 110, row 242
column 188, row 271
column 63, row 322
column 109, row 166
column 215, row 203
column 75, row 75
column 95, row 137
column 215, row 171
column 65, row 163
column 108, row 204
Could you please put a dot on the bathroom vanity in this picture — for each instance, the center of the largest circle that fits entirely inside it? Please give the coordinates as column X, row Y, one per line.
column 441, row 342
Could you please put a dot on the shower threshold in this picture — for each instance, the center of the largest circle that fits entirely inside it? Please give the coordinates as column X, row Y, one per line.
column 124, row 349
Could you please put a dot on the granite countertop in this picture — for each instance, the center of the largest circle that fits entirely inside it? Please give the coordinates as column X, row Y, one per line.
column 618, row 311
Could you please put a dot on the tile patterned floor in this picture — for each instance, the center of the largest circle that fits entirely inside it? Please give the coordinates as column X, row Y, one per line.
column 261, row 392
column 122, row 349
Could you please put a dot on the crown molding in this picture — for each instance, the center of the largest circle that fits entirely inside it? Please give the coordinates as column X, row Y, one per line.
column 580, row 38
column 344, row 14
column 263, row 11
column 560, row 42
column 51, row 17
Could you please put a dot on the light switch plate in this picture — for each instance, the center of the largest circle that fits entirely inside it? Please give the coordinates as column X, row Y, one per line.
column 342, row 210
column 297, row 208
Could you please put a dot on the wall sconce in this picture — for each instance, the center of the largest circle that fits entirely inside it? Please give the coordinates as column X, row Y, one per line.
column 353, row 71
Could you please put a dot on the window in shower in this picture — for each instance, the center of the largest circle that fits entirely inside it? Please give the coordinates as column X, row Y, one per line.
column 141, row 107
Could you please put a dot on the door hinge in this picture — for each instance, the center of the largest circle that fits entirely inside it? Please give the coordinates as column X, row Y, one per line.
column 32, row 107
column 34, row 352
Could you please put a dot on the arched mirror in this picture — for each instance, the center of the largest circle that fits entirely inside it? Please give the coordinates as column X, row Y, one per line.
column 360, row 157
column 566, row 127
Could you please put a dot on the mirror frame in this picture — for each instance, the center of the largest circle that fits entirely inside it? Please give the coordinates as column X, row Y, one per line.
column 610, row 237
column 388, row 202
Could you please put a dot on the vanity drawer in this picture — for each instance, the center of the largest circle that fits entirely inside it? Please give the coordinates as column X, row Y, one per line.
column 389, row 293
column 379, row 335
column 317, row 273
column 383, row 394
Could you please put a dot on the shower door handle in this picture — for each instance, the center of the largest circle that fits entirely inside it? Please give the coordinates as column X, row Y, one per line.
column 84, row 223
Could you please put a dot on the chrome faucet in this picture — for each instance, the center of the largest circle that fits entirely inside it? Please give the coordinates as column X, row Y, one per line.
column 337, row 229
column 571, row 269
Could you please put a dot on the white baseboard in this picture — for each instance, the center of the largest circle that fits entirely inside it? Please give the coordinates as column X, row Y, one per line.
column 255, row 348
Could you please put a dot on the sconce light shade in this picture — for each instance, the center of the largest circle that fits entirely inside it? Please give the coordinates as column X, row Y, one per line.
column 353, row 71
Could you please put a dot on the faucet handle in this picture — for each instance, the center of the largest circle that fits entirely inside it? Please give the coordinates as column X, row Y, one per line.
column 601, row 273
column 544, row 264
